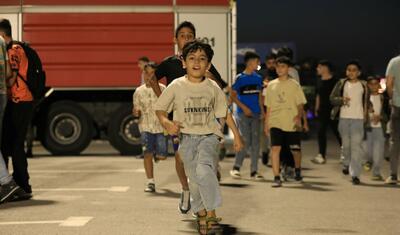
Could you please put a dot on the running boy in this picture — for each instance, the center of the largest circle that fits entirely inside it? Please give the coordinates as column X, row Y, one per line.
column 197, row 103
column 152, row 133
column 350, row 98
column 284, row 100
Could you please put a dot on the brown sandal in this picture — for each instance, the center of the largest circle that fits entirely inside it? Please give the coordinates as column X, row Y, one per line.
column 202, row 228
column 213, row 226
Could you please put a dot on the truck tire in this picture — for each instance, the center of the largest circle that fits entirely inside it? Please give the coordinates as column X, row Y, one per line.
column 68, row 129
column 123, row 133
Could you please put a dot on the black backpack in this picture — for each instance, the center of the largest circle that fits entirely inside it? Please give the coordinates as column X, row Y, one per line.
column 36, row 76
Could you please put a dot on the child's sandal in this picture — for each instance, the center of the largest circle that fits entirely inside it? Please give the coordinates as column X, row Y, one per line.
column 213, row 226
column 202, row 228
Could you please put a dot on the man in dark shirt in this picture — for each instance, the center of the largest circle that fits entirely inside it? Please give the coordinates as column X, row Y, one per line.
column 323, row 108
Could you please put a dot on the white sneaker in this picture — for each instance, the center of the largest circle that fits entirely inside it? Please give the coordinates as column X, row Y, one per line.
column 257, row 177
column 235, row 174
column 318, row 159
column 391, row 180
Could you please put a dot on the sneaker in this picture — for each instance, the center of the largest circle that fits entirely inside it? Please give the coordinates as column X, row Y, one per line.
column 8, row 191
column 377, row 178
column 391, row 180
column 184, row 204
column 255, row 176
column 150, row 188
column 218, row 175
column 235, row 174
column 298, row 178
column 277, row 183
column 318, row 159
column 345, row 170
column 21, row 195
column 355, row 180
column 367, row 166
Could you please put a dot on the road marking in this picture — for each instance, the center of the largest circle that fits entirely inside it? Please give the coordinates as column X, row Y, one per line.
column 119, row 189
column 69, row 222
column 140, row 170
column 84, row 171
column 58, row 197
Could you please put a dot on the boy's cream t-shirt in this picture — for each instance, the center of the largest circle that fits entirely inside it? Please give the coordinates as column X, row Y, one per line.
column 195, row 105
column 144, row 99
column 284, row 97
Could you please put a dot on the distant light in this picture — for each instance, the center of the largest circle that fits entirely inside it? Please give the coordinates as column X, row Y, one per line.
column 258, row 67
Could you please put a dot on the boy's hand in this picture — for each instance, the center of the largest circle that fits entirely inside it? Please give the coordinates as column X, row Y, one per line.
column 237, row 144
column 266, row 129
column 247, row 112
column 306, row 128
column 173, row 128
column 297, row 121
column 346, row 100
column 376, row 119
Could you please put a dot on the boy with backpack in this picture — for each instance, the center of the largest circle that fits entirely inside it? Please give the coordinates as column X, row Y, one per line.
column 23, row 88
column 152, row 133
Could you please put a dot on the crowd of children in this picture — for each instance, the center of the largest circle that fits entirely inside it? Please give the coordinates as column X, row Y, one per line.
column 193, row 108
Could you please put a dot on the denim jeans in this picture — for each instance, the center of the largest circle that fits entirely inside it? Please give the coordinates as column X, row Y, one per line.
column 199, row 155
column 375, row 151
column 5, row 176
column 352, row 133
column 395, row 137
column 250, row 129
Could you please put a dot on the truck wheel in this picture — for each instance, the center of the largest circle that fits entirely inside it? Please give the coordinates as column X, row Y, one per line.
column 123, row 133
column 68, row 129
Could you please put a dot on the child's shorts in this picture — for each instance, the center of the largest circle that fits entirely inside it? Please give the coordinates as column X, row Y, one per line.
column 154, row 143
column 281, row 138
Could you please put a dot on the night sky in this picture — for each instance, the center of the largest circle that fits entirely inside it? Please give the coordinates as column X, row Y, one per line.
column 338, row 30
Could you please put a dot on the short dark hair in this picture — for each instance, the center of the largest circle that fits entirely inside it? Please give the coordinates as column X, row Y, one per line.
column 270, row 57
column 355, row 63
column 195, row 46
column 285, row 51
column 373, row 78
column 250, row 55
column 151, row 64
column 5, row 26
column 185, row 24
column 144, row 58
column 284, row 60
column 326, row 63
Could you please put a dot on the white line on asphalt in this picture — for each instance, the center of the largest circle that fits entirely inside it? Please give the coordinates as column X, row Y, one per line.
column 119, row 189
column 69, row 222
column 85, row 171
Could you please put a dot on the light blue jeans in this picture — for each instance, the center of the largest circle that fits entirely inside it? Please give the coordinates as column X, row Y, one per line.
column 375, row 151
column 250, row 128
column 352, row 133
column 5, row 176
column 199, row 154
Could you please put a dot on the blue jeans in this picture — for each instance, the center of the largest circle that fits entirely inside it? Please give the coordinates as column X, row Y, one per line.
column 5, row 176
column 375, row 149
column 250, row 129
column 199, row 155
column 154, row 143
column 352, row 133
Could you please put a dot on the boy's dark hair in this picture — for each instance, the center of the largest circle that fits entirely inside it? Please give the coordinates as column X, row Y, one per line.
column 144, row 58
column 284, row 60
column 373, row 78
column 355, row 63
column 270, row 57
column 326, row 63
column 195, row 46
column 250, row 55
column 151, row 64
column 185, row 24
column 285, row 51
column 5, row 26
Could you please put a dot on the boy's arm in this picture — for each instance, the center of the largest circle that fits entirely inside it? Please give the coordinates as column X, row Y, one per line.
column 317, row 104
column 389, row 85
column 336, row 96
column 14, row 59
column 237, row 138
column 246, row 110
column 172, row 127
column 136, row 101
column 213, row 74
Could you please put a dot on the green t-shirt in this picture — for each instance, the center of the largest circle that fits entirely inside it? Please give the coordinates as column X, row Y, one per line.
column 283, row 99
column 393, row 69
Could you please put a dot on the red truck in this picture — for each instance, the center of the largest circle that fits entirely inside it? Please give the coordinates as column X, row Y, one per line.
column 89, row 50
